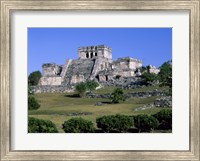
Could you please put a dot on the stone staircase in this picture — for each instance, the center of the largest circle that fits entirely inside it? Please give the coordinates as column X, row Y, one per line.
column 65, row 68
column 95, row 68
column 78, row 67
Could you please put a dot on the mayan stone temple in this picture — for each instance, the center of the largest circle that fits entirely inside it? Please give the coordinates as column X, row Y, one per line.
column 93, row 63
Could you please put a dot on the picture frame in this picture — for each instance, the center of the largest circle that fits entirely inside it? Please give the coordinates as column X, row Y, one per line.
column 8, row 6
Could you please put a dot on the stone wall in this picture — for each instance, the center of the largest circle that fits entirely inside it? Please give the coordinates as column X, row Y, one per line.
column 127, row 73
column 135, row 64
column 104, row 78
column 107, row 53
column 126, row 63
column 153, row 69
column 89, row 52
column 99, row 64
column 129, row 95
column 52, row 89
column 163, row 102
column 50, row 80
column 51, row 69
column 77, row 78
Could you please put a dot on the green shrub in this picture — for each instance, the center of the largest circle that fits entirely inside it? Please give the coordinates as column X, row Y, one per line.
column 78, row 125
column 41, row 126
column 143, row 69
column 165, row 119
column 117, row 95
column 30, row 91
column 106, row 123
column 121, row 123
column 145, row 123
column 81, row 88
column 149, row 78
column 34, row 77
column 32, row 103
column 165, row 73
column 91, row 85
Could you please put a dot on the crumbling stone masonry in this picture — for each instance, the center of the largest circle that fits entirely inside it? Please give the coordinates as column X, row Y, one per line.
column 94, row 63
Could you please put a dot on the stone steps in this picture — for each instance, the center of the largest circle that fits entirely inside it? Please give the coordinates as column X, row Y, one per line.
column 65, row 68
column 78, row 68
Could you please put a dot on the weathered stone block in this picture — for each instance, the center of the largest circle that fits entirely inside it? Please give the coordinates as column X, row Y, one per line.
column 50, row 81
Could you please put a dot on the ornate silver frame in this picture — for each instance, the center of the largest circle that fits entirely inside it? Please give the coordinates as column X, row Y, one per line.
column 8, row 6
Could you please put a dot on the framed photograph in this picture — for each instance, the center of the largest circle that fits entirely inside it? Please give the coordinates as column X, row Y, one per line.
column 99, row 80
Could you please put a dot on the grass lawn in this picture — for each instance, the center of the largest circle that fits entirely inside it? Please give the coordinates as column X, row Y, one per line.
column 60, row 107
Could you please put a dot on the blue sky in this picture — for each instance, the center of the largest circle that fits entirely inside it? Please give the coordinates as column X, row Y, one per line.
column 45, row 45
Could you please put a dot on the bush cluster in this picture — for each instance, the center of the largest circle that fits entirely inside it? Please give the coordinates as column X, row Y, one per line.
column 165, row 75
column 110, row 123
column 165, row 119
column 120, row 123
column 83, row 87
column 149, row 78
column 34, row 77
column 32, row 103
column 145, row 123
column 41, row 126
column 160, row 121
column 78, row 125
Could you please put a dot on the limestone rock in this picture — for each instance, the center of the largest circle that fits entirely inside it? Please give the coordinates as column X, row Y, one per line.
column 163, row 102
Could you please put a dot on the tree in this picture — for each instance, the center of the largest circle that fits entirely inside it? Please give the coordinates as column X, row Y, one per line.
column 165, row 70
column 145, row 123
column 149, row 78
column 165, row 119
column 32, row 103
column 30, row 91
column 143, row 69
column 41, row 126
column 78, row 125
column 91, row 85
column 117, row 95
column 81, row 88
column 165, row 75
column 33, row 78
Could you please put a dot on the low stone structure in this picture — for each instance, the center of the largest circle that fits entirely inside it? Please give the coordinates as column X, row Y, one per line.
column 163, row 102
column 153, row 69
column 52, row 89
column 145, row 107
column 51, row 80
column 130, row 95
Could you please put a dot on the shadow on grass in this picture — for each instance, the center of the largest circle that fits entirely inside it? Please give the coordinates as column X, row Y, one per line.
column 72, row 95
column 135, row 130
column 131, row 130
column 106, row 102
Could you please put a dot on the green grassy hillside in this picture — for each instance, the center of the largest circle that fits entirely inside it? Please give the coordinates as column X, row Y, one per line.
column 61, row 107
